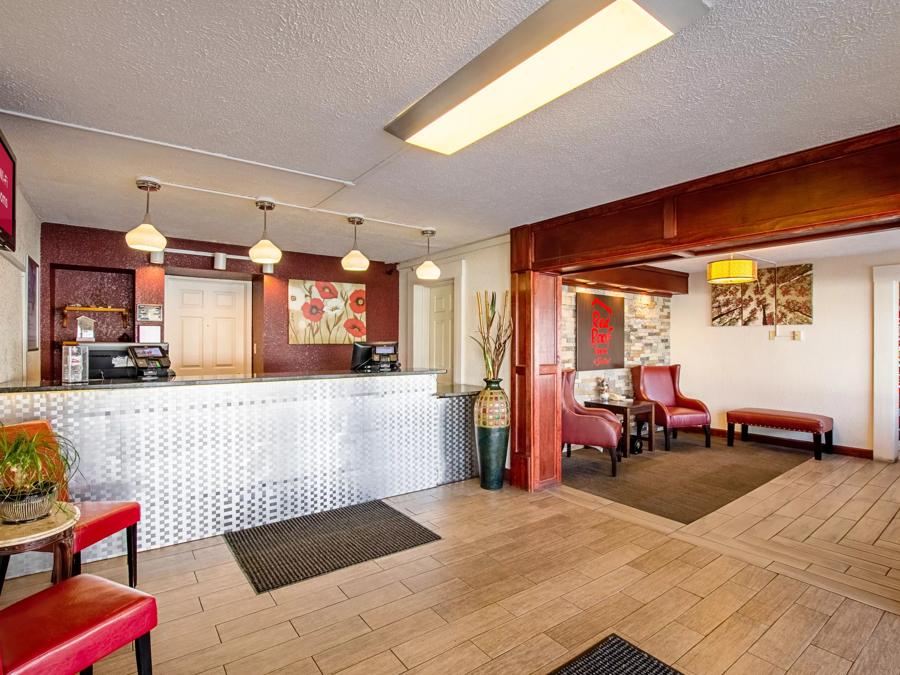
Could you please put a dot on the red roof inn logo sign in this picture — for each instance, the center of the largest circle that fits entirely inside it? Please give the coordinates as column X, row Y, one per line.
column 599, row 332
column 7, row 196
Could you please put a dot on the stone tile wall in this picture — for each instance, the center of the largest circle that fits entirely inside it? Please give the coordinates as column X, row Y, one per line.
column 647, row 340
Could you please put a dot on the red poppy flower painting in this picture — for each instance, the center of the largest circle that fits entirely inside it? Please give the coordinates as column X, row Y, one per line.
column 358, row 301
column 355, row 327
column 325, row 312
column 327, row 290
column 314, row 310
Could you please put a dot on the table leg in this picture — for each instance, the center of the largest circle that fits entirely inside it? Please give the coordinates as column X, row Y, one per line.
column 62, row 558
column 626, row 431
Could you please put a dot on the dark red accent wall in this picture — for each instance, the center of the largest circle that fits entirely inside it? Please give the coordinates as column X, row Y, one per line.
column 88, row 264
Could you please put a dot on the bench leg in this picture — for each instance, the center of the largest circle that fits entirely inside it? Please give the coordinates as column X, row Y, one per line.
column 745, row 432
column 817, row 446
column 708, row 433
column 614, row 457
column 829, row 441
column 731, row 434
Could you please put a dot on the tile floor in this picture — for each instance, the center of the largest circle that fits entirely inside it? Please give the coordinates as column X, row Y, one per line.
column 523, row 582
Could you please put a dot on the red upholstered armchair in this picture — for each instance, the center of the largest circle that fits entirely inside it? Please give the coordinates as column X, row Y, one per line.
column 586, row 426
column 673, row 410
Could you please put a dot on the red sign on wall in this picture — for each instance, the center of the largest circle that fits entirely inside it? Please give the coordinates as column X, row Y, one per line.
column 599, row 332
column 7, row 196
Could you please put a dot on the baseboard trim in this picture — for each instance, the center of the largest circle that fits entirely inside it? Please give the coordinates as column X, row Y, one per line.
column 794, row 443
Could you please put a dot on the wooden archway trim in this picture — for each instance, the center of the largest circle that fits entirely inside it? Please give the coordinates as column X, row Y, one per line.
column 847, row 187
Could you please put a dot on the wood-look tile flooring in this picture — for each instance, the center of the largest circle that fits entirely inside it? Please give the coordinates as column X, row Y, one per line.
column 834, row 523
column 523, row 582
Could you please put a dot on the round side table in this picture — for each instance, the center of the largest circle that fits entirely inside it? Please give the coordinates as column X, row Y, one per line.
column 56, row 531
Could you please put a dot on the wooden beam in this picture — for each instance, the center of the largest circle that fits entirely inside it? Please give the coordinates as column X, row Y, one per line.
column 637, row 279
column 840, row 188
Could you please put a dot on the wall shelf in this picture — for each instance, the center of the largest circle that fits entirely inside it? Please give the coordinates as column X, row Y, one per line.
column 82, row 309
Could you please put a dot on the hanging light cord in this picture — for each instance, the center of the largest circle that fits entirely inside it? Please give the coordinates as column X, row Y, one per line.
column 355, row 228
column 148, row 205
column 265, row 224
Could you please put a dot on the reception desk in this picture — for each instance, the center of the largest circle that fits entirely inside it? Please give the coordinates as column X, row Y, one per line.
column 204, row 456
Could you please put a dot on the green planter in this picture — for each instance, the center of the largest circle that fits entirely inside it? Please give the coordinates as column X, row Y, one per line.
column 492, row 433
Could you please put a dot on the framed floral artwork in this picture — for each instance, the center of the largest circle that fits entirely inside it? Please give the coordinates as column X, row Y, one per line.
column 326, row 312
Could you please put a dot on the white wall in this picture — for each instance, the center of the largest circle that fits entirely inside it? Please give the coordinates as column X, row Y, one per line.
column 15, row 362
column 828, row 372
column 482, row 266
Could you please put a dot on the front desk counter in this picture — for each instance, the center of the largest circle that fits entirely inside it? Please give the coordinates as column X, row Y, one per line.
column 207, row 455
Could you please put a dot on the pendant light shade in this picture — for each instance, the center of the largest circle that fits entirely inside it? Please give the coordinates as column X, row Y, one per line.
column 731, row 271
column 145, row 237
column 355, row 261
column 428, row 271
column 264, row 252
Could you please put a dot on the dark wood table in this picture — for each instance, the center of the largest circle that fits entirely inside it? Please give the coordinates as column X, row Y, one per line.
column 640, row 412
column 55, row 530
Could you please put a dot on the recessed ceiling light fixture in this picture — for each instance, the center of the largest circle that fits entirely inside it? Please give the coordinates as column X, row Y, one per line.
column 355, row 261
column 264, row 252
column 561, row 46
column 145, row 237
column 428, row 270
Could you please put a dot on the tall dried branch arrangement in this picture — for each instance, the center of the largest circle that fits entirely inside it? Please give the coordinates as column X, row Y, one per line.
column 494, row 331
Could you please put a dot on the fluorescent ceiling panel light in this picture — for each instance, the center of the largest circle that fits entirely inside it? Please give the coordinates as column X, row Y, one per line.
column 558, row 48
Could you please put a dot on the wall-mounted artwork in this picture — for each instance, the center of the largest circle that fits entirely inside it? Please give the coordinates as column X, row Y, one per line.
column 32, row 295
column 599, row 332
column 326, row 312
column 780, row 295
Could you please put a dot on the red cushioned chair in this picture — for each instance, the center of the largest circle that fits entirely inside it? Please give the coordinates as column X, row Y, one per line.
column 98, row 520
column 68, row 627
column 672, row 409
column 592, row 427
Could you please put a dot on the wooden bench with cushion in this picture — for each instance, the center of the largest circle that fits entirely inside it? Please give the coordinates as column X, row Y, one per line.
column 817, row 425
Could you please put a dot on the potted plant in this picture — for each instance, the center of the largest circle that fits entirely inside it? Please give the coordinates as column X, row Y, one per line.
column 492, row 404
column 33, row 470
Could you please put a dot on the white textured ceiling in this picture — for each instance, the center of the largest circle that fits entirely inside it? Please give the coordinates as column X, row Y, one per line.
column 807, row 251
column 309, row 85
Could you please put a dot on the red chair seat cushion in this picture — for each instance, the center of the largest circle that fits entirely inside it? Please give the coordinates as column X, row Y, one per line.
column 67, row 627
column 687, row 417
column 100, row 520
column 781, row 419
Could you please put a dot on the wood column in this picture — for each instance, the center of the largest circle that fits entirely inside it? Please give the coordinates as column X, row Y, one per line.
column 535, row 458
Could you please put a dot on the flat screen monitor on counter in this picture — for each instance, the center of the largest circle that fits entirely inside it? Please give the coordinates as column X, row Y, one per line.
column 374, row 357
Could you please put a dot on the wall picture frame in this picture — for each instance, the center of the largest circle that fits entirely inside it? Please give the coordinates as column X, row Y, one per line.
column 32, row 299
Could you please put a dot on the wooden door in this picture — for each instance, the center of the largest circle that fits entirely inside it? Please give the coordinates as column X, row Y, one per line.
column 207, row 326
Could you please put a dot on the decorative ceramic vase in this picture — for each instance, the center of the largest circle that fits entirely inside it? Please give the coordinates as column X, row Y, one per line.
column 492, row 433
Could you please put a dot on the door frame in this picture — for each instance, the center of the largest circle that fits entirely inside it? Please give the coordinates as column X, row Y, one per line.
column 421, row 322
column 885, row 361
column 451, row 271
column 247, row 285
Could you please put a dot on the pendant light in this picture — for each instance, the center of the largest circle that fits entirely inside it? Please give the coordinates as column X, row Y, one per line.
column 355, row 261
column 145, row 237
column 428, row 270
column 731, row 271
column 264, row 252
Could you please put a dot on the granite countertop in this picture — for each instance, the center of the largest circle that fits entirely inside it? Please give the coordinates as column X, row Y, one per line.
column 21, row 387
column 448, row 390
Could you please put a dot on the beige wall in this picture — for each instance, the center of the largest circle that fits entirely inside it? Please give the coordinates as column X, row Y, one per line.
column 482, row 266
column 14, row 362
column 828, row 372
